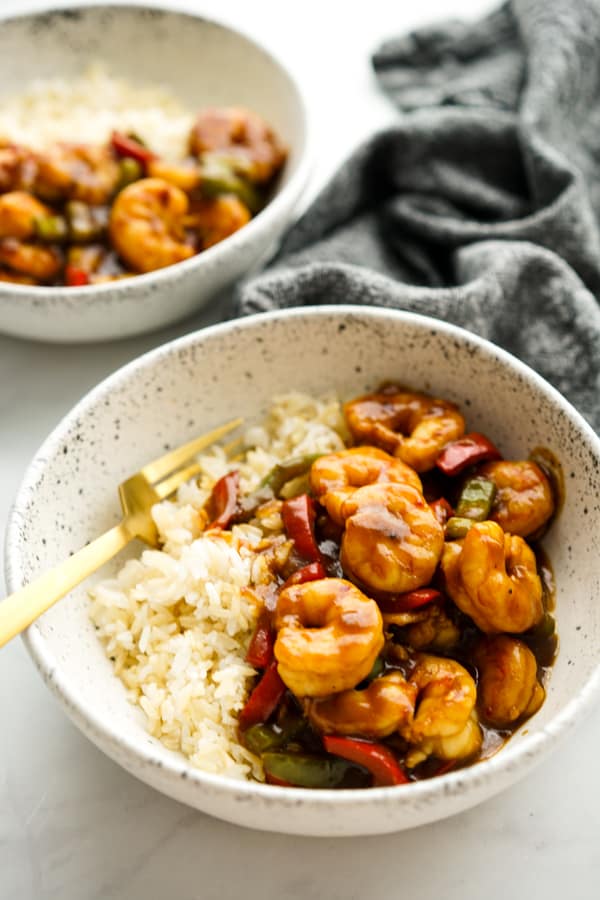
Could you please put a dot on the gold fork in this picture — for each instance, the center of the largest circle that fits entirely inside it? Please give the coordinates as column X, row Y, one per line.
column 155, row 481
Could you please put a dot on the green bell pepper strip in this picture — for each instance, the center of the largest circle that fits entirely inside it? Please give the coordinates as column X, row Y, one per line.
column 285, row 471
column 476, row 499
column 456, row 528
column 378, row 759
column 130, row 170
column 304, row 770
column 218, row 177
column 261, row 738
column 545, row 627
column 51, row 229
column 272, row 484
column 278, row 782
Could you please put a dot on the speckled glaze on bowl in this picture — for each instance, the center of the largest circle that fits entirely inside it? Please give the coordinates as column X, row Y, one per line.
column 68, row 497
column 202, row 63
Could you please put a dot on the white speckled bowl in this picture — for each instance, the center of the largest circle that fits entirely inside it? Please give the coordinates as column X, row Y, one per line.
column 202, row 63
column 68, row 497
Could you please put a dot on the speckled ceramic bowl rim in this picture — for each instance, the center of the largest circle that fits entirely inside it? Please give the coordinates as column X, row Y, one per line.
column 288, row 194
column 133, row 753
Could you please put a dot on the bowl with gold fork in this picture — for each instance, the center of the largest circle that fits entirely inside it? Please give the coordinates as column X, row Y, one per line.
column 203, row 384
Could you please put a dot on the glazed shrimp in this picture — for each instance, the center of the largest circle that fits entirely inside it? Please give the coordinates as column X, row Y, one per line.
column 524, row 500
column 493, row 578
column 18, row 212
column 435, row 630
column 147, row 225
column 329, row 635
column 335, row 476
column 508, row 687
column 15, row 277
column 185, row 177
column 445, row 723
column 18, row 167
column 217, row 218
column 83, row 172
column 39, row 263
column 392, row 541
column 466, row 742
column 383, row 707
column 414, row 427
column 243, row 138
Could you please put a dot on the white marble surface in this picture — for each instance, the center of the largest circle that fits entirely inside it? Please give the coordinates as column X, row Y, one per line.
column 72, row 824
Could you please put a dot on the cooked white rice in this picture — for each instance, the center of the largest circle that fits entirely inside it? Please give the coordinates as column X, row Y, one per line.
column 177, row 622
column 90, row 107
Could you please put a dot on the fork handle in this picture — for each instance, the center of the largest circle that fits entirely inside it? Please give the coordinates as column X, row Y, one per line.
column 25, row 605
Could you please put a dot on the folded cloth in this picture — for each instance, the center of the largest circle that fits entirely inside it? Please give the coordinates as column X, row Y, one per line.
column 482, row 205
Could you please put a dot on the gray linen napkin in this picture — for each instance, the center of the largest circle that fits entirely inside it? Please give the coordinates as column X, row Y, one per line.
column 482, row 205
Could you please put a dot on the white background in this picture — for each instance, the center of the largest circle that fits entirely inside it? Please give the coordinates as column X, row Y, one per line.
column 72, row 824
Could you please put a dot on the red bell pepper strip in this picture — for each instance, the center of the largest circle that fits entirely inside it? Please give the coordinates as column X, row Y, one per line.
column 396, row 603
column 264, row 699
column 312, row 572
column 445, row 767
column 379, row 760
column 441, row 510
column 298, row 516
column 75, row 277
column 224, row 498
column 260, row 650
column 466, row 451
column 126, row 146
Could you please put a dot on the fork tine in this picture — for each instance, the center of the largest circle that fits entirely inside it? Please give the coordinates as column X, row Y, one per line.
column 236, row 444
column 169, row 485
column 159, row 468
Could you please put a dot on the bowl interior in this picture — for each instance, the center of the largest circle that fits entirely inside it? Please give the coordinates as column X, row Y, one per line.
column 235, row 369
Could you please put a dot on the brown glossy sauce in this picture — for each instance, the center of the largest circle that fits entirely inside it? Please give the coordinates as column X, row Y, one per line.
column 399, row 656
column 552, row 468
column 542, row 640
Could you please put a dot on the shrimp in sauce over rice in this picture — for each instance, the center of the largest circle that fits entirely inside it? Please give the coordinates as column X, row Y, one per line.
column 119, row 198
column 398, row 627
